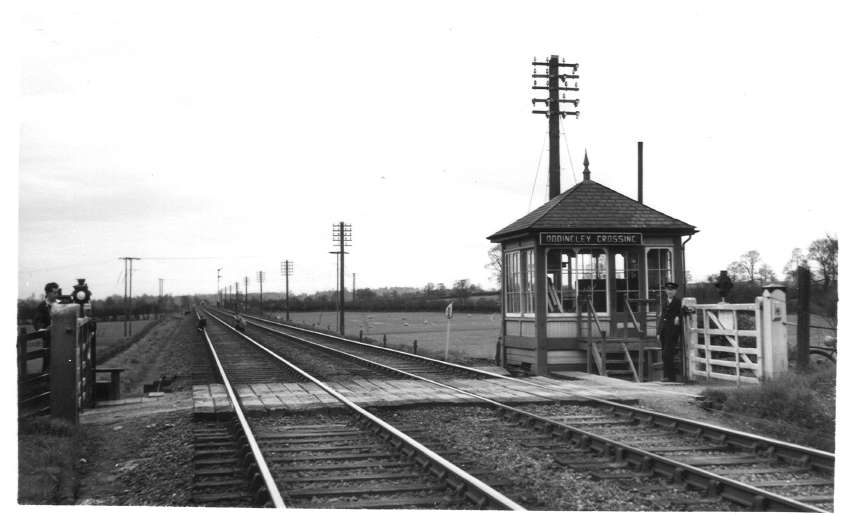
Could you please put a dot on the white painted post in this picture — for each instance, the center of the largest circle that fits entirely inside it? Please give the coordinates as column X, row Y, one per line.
column 759, row 316
column 691, row 337
column 775, row 336
column 706, row 338
column 448, row 338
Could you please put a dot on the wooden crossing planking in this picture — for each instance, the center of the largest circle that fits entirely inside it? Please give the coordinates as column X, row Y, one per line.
column 269, row 397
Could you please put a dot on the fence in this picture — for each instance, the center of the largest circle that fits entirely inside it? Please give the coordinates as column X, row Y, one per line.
column 737, row 342
column 33, row 373
column 56, row 374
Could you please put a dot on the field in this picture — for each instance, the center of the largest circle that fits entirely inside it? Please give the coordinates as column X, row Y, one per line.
column 473, row 336
column 816, row 334
column 110, row 333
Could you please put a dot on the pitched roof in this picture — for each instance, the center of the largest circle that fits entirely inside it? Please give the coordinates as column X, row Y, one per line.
column 590, row 205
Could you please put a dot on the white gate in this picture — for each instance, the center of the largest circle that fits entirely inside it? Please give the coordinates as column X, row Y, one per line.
column 737, row 342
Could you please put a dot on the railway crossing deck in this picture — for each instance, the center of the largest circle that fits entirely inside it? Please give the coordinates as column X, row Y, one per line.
column 211, row 399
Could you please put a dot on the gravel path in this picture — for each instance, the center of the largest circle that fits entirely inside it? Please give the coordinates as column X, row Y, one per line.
column 140, row 453
column 143, row 461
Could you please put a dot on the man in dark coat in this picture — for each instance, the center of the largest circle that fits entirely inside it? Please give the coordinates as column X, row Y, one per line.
column 41, row 319
column 671, row 327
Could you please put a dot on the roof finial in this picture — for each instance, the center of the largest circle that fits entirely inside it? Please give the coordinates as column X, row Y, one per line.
column 586, row 164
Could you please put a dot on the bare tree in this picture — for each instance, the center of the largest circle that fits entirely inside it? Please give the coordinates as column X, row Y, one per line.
column 789, row 271
column 745, row 268
column 765, row 274
column 825, row 252
column 495, row 264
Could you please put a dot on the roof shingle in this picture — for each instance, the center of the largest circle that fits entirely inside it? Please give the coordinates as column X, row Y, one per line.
column 590, row 205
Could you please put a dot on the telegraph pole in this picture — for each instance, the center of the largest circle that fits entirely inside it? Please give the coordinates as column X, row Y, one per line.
column 342, row 235
column 260, row 277
column 218, row 284
column 246, row 294
column 236, row 300
column 554, row 112
column 286, row 271
column 353, row 287
column 128, row 293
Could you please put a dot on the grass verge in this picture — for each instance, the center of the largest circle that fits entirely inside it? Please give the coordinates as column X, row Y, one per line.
column 116, row 349
column 48, row 453
column 798, row 407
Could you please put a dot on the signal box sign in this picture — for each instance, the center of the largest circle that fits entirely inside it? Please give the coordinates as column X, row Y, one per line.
column 591, row 238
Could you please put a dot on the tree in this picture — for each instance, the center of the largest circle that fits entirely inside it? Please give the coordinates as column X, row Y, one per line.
column 825, row 252
column 461, row 288
column 789, row 271
column 765, row 274
column 429, row 289
column 745, row 269
column 495, row 264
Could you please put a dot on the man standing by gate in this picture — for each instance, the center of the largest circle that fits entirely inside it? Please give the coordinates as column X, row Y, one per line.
column 41, row 319
column 671, row 322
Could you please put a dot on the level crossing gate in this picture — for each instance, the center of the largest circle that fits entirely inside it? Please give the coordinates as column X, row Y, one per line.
column 737, row 342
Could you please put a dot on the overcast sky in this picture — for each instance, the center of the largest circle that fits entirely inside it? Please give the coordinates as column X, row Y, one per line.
column 199, row 135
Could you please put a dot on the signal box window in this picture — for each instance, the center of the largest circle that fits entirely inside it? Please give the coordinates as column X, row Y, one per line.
column 584, row 274
column 659, row 271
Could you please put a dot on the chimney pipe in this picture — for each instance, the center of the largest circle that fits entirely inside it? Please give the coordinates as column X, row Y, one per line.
column 640, row 172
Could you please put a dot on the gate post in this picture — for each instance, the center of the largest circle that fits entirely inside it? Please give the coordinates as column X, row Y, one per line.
column 690, row 338
column 64, row 362
column 774, row 337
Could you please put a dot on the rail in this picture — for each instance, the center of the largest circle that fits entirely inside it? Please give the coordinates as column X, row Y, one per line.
column 446, row 465
column 733, row 489
column 265, row 473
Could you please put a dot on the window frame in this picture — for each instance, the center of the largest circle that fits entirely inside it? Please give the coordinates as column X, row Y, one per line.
column 648, row 287
column 576, row 251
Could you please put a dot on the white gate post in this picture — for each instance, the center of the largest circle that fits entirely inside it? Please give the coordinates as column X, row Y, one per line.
column 691, row 338
column 774, row 336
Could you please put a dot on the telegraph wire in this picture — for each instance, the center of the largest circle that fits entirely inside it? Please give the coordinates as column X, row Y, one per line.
column 534, row 184
column 570, row 156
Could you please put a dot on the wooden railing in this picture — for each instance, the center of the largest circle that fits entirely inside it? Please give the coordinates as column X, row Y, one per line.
column 57, row 377
column 737, row 342
column 33, row 373
column 593, row 348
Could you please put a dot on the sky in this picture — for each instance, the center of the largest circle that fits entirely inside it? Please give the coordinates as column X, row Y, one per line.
column 206, row 135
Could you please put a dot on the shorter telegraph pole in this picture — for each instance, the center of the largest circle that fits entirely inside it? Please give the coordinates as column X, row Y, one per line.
column 804, row 282
column 260, row 278
column 218, row 285
column 236, row 298
column 286, row 270
column 246, row 294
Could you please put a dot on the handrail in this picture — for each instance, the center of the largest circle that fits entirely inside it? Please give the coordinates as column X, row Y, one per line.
column 594, row 316
column 632, row 315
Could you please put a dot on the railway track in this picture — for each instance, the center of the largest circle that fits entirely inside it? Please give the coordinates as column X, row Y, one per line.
column 353, row 460
column 370, row 355
column 752, row 471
